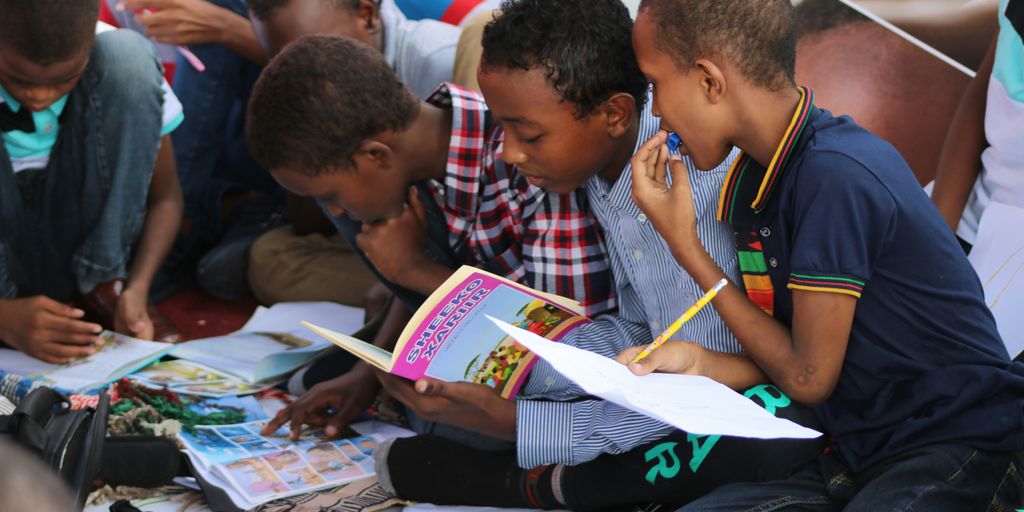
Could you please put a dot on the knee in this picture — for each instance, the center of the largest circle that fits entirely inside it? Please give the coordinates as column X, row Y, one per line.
column 126, row 68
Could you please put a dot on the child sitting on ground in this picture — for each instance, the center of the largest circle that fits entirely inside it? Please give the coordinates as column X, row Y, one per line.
column 866, row 309
column 90, row 199
column 418, row 188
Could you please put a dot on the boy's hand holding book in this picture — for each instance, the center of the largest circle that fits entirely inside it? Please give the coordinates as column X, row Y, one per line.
column 48, row 330
column 471, row 406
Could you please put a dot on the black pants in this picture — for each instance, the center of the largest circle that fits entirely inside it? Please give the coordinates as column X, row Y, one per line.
column 682, row 467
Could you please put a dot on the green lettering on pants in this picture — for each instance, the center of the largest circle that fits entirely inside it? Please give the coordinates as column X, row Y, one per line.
column 667, row 466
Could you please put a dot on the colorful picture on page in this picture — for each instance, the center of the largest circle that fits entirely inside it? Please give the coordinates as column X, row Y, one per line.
column 211, row 447
column 330, row 462
column 220, row 388
column 259, row 446
column 493, row 364
column 255, row 478
column 178, row 372
column 236, row 434
column 293, row 470
column 357, row 454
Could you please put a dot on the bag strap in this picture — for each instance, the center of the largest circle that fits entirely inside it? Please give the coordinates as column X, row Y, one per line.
column 27, row 423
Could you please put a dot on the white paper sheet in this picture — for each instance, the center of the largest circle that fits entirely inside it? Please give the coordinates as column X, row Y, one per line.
column 694, row 404
column 998, row 257
column 253, row 356
column 285, row 317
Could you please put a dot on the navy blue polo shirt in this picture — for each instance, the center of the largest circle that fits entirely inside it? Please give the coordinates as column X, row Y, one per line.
column 841, row 212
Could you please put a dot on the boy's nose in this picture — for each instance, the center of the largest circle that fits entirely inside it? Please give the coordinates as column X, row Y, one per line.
column 38, row 98
column 511, row 153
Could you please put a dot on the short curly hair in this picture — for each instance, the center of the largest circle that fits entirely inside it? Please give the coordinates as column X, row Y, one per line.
column 584, row 46
column 264, row 9
column 48, row 31
column 317, row 100
column 759, row 36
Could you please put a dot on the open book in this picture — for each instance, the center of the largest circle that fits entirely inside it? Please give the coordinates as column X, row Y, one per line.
column 271, row 344
column 252, row 469
column 119, row 356
column 450, row 338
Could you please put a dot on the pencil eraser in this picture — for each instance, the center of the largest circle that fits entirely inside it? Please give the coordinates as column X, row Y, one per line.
column 673, row 142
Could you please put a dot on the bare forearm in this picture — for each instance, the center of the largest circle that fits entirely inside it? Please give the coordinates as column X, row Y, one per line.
column 424, row 278
column 768, row 342
column 960, row 159
column 398, row 315
column 163, row 218
column 239, row 37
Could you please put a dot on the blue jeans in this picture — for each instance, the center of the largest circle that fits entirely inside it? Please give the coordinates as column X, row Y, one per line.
column 68, row 227
column 937, row 478
column 209, row 146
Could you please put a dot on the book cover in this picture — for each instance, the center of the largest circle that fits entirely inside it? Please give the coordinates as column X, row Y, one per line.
column 450, row 338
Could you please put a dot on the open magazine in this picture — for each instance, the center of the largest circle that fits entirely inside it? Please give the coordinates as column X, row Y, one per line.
column 450, row 338
column 190, row 378
column 271, row 344
column 119, row 356
column 253, row 469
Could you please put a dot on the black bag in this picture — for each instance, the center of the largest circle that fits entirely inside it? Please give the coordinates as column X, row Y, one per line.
column 68, row 441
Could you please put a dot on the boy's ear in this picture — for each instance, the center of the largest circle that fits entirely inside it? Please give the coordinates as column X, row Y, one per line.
column 712, row 80
column 374, row 155
column 369, row 16
column 619, row 111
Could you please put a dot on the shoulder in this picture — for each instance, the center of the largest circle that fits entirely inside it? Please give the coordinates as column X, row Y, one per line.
column 842, row 158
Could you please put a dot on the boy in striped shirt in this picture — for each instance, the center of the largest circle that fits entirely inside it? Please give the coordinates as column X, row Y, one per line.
column 562, row 78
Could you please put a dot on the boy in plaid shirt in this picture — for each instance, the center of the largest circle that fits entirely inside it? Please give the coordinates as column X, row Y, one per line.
column 419, row 188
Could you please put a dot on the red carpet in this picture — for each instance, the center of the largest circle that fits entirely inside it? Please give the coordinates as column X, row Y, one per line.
column 199, row 315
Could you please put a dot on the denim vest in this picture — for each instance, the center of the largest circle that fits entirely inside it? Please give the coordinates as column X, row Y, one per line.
column 68, row 227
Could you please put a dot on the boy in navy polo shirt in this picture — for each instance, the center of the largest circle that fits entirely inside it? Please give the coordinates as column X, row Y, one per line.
column 858, row 301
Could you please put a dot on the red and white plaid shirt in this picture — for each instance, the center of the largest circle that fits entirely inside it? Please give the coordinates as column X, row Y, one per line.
column 550, row 242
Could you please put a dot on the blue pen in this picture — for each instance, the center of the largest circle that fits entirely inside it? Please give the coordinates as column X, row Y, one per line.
column 673, row 143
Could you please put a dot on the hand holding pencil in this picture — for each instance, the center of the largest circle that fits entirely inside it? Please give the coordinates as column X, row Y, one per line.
column 686, row 316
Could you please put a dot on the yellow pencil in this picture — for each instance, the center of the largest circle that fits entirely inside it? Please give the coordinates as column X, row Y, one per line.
column 681, row 320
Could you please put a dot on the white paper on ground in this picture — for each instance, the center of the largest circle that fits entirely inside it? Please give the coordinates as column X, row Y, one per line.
column 285, row 317
column 694, row 404
column 998, row 258
column 252, row 356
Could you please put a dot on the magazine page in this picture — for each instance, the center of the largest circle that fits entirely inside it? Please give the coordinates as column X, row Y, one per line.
column 119, row 356
column 451, row 339
column 376, row 356
column 244, row 354
column 192, row 378
column 273, row 342
column 256, row 469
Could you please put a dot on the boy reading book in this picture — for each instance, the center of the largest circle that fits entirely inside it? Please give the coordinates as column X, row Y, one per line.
column 297, row 262
column 89, row 198
column 859, row 301
column 418, row 187
column 563, row 79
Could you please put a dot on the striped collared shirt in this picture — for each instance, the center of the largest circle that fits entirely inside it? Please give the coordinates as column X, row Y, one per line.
column 554, row 425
